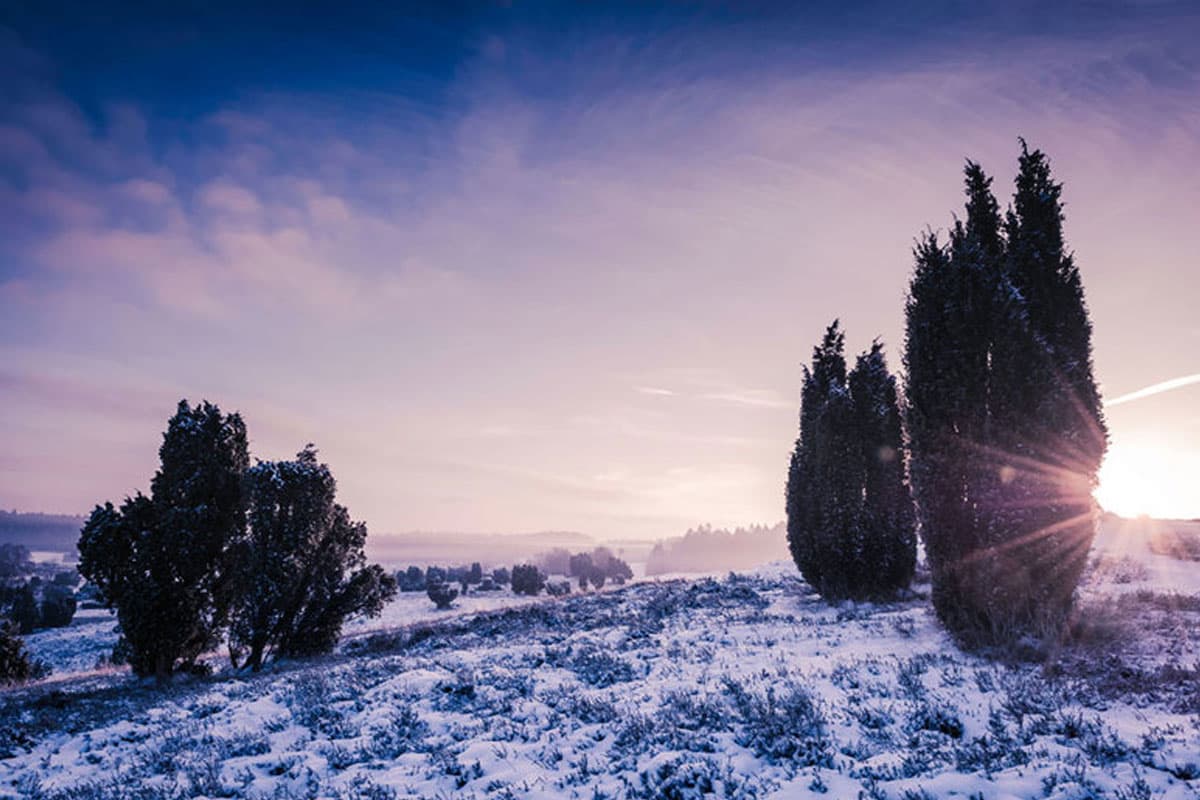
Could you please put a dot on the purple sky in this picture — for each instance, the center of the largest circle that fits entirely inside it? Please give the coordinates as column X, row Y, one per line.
column 565, row 286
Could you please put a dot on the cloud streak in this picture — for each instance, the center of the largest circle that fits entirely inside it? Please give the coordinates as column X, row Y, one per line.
column 1154, row 389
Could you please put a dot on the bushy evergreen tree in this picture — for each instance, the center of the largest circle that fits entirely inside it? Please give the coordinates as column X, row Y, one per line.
column 15, row 664
column 850, row 519
column 411, row 580
column 1003, row 414
column 164, row 562
column 57, row 607
column 303, row 570
column 527, row 579
column 442, row 594
column 619, row 570
column 23, row 609
column 597, row 577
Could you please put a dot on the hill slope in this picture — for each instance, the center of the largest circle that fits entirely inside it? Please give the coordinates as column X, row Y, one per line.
column 747, row 686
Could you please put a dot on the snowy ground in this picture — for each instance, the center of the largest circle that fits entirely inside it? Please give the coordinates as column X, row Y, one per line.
column 745, row 686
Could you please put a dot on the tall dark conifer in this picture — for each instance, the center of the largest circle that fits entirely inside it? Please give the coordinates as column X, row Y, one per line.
column 804, row 489
column 850, row 520
column 1003, row 416
column 888, row 521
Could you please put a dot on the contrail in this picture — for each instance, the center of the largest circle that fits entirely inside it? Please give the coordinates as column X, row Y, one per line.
column 1157, row 388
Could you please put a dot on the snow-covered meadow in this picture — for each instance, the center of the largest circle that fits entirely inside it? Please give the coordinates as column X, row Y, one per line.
column 736, row 686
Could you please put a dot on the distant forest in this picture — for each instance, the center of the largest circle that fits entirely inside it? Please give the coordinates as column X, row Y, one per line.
column 705, row 549
column 56, row 532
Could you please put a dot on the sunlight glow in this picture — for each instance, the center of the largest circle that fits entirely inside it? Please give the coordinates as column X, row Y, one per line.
column 1148, row 479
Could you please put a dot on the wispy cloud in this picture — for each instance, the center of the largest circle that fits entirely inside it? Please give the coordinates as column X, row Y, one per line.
column 1156, row 388
column 754, row 398
column 655, row 391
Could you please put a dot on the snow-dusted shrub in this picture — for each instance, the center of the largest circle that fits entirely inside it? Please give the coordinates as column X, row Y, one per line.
column 116, row 788
column 1119, row 570
column 457, row 694
column 780, row 726
column 445, row 762
column 558, row 588
column 588, row 708
column 15, row 664
column 927, row 716
column 593, row 664
column 311, row 699
column 441, row 594
column 361, row 787
column 691, row 711
column 680, row 778
column 527, row 579
column 690, row 777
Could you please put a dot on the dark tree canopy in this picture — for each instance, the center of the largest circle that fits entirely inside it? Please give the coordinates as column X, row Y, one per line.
column 850, row 518
column 527, row 579
column 304, row 571
column 15, row 664
column 442, row 594
column 58, row 607
column 163, row 562
column 1003, row 414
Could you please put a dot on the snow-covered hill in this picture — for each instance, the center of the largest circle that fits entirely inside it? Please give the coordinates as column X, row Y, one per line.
column 741, row 686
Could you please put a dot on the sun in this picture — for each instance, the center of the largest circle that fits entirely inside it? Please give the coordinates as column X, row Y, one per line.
column 1148, row 479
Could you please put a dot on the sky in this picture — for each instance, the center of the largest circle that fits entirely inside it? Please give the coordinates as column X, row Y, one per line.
column 555, row 266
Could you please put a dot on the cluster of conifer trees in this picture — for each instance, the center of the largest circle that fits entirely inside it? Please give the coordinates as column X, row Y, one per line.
column 261, row 556
column 850, row 515
column 1002, row 428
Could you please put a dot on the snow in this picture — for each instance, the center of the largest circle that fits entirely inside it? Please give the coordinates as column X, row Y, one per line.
column 732, row 686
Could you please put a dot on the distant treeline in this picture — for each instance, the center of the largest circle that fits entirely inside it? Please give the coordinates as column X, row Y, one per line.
column 55, row 532
column 705, row 549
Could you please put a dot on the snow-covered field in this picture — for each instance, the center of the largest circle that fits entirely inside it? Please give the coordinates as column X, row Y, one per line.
column 740, row 686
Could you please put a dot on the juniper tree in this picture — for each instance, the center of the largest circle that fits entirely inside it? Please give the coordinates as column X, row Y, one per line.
column 850, row 521
column 441, row 594
column 165, row 562
column 57, row 608
column 303, row 571
column 803, row 493
column 887, row 522
column 23, row 609
column 1003, row 415
column 127, row 555
column 527, row 579
column 15, row 664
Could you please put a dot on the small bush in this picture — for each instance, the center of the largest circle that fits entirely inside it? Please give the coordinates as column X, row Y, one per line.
column 441, row 594
column 16, row 666
column 783, row 726
column 527, row 579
